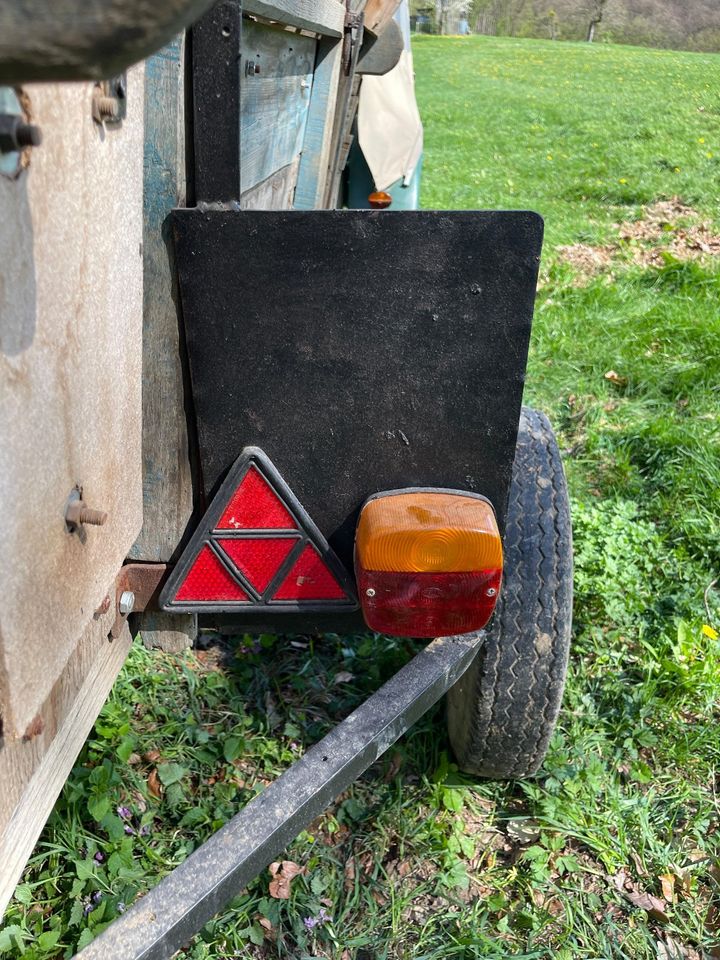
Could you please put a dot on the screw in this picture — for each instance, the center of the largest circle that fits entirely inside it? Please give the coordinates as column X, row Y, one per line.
column 369, row 592
column 126, row 602
column 77, row 512
column 490, row 592
column 15, row 134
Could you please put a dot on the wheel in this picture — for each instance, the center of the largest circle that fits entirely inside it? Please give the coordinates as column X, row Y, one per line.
column 502, row 711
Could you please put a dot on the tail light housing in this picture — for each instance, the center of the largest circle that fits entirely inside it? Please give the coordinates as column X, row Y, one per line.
column 428, row 562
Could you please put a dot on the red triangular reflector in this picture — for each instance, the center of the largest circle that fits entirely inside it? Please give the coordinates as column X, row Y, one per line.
column 258, row 558
column 208, row 580
column 310, row 579
column 255, row 506
column 254, row 530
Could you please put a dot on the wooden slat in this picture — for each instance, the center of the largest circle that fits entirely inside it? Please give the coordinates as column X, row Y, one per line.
column 326, row 17
column 33, row 770
column 312, row 175
column 167, row 480
column 275, row 193
column 274, row 103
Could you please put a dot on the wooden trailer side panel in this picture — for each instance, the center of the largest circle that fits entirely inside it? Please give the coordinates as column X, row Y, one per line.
column 70, row 416
column 70, row 382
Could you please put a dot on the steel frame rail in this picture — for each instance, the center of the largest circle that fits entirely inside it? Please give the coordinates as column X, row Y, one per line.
column 165, row 919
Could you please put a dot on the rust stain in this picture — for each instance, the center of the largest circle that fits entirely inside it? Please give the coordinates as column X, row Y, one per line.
column 35, row 727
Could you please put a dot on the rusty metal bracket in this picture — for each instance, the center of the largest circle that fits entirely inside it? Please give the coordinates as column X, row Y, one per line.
column 136, row 589
column 352, row 40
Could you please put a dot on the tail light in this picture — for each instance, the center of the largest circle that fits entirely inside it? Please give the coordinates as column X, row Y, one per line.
column 428, row 562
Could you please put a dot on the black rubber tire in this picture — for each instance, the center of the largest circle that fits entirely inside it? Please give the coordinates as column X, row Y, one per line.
column 502, row 711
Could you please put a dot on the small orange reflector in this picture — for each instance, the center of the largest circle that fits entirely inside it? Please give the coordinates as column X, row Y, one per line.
column 379, row 200
column 428, row 563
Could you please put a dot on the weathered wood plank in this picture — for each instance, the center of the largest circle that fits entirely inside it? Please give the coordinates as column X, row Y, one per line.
column 378, row 13
column 274, row 102
column 167, row 478
column 70, row 382
column 275, row 193
column 313, row 172
column 33, row 770
column 321, row 16
column 165, row 631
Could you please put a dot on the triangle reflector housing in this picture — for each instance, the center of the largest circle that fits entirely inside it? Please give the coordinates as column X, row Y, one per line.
column 257, row 549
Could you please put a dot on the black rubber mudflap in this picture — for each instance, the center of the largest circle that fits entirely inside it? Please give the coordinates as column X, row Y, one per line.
column 361, row 350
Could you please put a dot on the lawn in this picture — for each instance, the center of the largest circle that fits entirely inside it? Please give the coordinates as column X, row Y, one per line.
column 612, row 852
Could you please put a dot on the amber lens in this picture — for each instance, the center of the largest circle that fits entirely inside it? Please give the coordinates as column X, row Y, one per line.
column 379, row 200
column 428, row 532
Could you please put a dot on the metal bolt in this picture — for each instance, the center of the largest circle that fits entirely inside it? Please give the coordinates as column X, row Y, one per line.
column 490, row 592
column 251, row 68
column 126, row 602
column 15, row 134
column 107, row 108
column 369, row 592
column 78, row 512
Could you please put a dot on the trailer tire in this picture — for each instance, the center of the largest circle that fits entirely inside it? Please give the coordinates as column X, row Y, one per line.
column 503, row 710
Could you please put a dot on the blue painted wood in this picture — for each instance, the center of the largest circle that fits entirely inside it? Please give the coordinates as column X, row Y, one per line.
column 313, row 171
column 274, row 102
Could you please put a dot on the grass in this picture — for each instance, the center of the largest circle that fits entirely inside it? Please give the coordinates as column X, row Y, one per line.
column 613, row 851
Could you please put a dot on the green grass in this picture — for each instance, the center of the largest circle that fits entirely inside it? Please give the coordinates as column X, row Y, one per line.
column 415, row 860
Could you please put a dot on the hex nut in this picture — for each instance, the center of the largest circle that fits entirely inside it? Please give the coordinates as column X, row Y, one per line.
column 126, row 602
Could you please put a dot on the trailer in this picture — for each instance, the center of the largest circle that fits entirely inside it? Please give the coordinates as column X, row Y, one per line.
column 247, row 386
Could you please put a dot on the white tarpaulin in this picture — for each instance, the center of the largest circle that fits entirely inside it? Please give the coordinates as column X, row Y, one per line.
column 389, row 127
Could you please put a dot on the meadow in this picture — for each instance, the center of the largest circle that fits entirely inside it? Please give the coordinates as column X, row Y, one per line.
column 613, row 850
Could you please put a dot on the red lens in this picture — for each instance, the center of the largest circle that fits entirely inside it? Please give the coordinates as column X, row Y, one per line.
column 428, row 604
column 310, row 579
column 208, row 580
column 255, row 506
column 257, row 559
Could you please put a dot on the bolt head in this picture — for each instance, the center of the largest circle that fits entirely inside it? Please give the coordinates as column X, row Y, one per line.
column 126, row 602
column 490, row 592
column 369, row 592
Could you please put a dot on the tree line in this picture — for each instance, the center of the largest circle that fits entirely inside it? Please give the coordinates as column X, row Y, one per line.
column 681, row 24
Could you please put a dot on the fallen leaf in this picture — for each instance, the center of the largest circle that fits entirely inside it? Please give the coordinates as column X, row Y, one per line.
column 615, row 378
column 282, row 874
column 639, row 865
column 154, row 785
column 151, row 756
column 344, row 677
column 667, row 882
column 350, row 874
column 653, row 906
column 674, row 950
